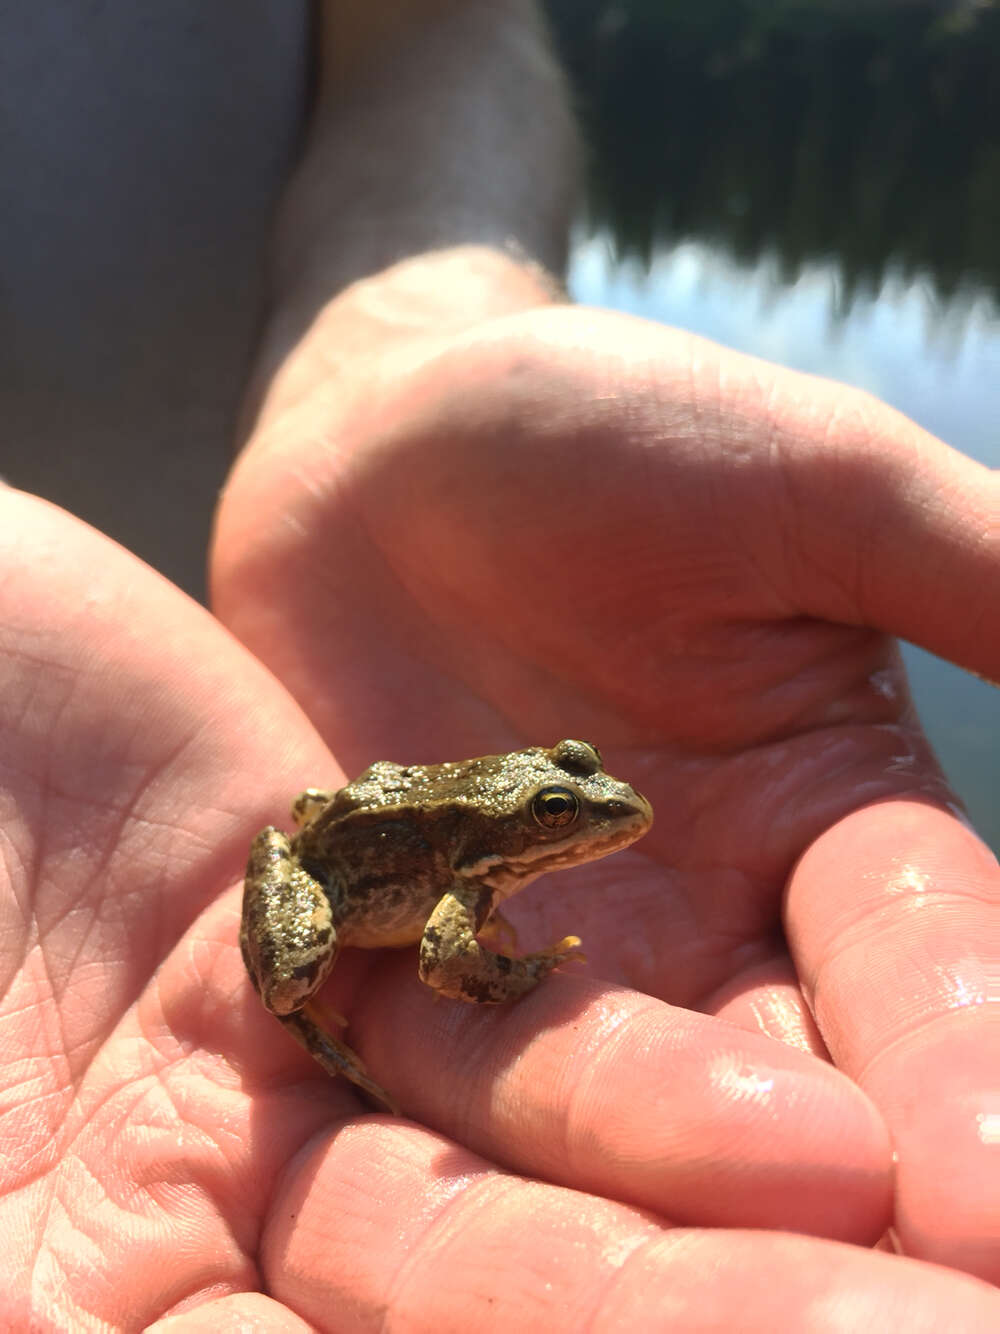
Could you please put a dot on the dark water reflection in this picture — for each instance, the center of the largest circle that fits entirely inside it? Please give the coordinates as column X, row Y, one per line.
column 825, row 194
column 866, row 132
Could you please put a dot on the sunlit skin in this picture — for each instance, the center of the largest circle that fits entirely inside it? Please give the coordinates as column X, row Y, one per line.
column 805, row 879
column 579, row 520
column 467, row 519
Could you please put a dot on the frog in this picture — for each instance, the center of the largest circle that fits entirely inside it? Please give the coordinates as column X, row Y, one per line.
column 423, row 854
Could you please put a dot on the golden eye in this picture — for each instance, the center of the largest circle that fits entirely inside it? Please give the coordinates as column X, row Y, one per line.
column 555, row 807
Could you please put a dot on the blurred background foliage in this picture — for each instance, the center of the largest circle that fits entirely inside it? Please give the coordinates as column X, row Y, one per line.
column 866, row 132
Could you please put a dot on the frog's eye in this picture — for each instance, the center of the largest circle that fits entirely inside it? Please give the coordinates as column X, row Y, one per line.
column 555, row 807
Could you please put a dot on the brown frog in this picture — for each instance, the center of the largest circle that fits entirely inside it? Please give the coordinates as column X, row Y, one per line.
column 423, row 852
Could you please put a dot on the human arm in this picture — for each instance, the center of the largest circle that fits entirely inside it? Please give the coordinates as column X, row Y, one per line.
column 437, row 125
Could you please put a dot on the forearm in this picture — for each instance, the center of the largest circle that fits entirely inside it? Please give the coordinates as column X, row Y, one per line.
column 443, row 125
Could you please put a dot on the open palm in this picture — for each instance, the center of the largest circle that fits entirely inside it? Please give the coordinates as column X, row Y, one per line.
column 169, row 1152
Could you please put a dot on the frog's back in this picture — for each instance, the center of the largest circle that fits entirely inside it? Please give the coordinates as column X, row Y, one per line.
column 380, row 849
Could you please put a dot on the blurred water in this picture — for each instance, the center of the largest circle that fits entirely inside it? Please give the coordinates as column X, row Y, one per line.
column 938, row 363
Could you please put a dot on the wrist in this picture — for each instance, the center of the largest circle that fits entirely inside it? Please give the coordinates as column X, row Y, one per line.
column 438, row 177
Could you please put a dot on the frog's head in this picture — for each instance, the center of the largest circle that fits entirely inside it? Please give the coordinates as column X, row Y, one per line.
column 548, row 809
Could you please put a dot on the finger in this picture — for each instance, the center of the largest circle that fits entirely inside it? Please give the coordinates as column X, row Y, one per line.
column 384, row 1224
column 885, row 525
column 768, row 998
column 609, row 1091
column 845, row 508
column 235, row 1313
column 588, row 1086
column 894, row 918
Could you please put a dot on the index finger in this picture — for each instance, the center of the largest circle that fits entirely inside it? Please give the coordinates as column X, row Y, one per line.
column 609, row 1091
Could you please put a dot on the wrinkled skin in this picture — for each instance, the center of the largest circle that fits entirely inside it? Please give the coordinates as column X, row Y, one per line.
column 559, row 524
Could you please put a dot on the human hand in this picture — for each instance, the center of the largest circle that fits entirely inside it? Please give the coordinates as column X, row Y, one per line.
column 563, row 522
column 170, row 1153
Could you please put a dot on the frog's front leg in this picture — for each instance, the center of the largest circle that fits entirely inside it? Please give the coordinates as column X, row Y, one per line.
column 289, row 945
column 453, row 962
column 308, row 804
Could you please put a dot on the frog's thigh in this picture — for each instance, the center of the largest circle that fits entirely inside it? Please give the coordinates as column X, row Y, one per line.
column 287, row 934
column 453, row 962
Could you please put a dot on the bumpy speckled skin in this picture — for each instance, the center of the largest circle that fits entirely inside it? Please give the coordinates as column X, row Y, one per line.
column 423, row 853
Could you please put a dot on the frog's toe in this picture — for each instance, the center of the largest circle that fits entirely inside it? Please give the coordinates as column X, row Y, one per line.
column 334, row 1056
column 321, row 1009
column 566, row 950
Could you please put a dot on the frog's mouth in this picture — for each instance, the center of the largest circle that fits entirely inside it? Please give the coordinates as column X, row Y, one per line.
column 506, row 873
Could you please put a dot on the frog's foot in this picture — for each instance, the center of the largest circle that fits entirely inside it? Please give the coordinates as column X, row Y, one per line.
column 336, row 1057
column 454, row 963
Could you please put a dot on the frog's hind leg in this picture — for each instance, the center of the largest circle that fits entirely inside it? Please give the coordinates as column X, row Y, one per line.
column 289, row 945
column 287, row 934
column 455, row 964
column 334, row 1056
